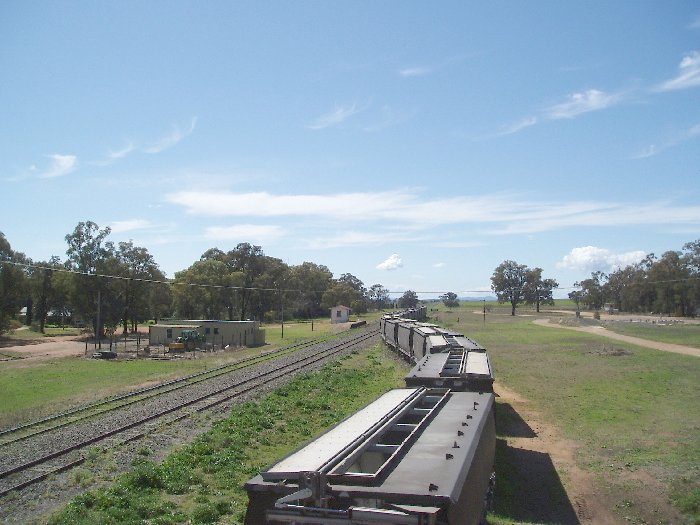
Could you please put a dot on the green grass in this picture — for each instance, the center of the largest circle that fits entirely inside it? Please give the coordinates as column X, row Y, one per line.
column 680, row 334
column 632, row 408
column 202, row 482
column 32, row 391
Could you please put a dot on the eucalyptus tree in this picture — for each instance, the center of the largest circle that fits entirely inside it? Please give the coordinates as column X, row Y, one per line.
column 450, row 300
column 13, row 283
column 89, row 254
column 592, row 293
column 671, row 275
column 409, row 299
column 310, row 280
column 379, row 296
column 538, row 290
column 508, row 283
column 136, row 267
column 200, row 290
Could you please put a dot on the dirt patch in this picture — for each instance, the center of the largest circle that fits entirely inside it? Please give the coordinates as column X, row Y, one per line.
column 539, row 447
column 646, row 343
column 54, row 348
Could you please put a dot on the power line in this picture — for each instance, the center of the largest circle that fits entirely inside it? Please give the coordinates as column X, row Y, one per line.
column 263, row 289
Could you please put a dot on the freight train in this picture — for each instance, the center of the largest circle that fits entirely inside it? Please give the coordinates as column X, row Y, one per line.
column 420, row 455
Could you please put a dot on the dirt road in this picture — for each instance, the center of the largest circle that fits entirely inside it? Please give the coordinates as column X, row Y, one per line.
column 646, row 343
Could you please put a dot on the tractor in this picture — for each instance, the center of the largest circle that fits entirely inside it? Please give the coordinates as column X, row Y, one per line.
column 186, row 342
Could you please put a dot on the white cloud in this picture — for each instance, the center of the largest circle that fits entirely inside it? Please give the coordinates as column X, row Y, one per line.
column 60, row 165
column 688, row 76
column 170, row 140
column 339, row 115
column 129, row 225
column 256, row 233
column 439, row 265
column 655, row 149
column 501, row 214
column 579, row 103
column 592, row 258
column 573, row 105
column 415, row 72
column 518, row 126
column 392, row 263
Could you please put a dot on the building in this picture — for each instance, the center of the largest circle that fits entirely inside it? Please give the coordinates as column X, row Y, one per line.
column 340, row 314
column 221, row 333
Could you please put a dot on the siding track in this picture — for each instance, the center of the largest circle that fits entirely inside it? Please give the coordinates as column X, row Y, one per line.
column 32, row 452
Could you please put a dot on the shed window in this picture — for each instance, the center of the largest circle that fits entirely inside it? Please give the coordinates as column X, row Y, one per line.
column 207, row 330
column 337, row 313
column 216, row 331
column 169, row 333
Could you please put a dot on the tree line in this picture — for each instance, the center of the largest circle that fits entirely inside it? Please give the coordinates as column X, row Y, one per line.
column 668, row 285
column 104, row 284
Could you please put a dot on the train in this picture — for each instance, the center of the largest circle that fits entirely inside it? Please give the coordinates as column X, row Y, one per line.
column 442, row 357
column 419, row 455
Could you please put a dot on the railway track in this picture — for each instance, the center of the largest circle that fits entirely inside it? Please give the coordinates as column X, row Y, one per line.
column 69, row 417
column 26, row 469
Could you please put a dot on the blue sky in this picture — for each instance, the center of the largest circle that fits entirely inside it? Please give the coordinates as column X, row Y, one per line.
column 412, row 144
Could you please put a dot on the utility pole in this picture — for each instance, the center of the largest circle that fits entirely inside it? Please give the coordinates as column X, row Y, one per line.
column 484, row 312
column 97, row 328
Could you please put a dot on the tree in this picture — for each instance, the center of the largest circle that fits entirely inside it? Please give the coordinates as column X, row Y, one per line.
column 41, row 284
column 12, row 283
column 592, row 290
column 204, row 301
column 135, row 265
column 450, row 300
column 508, row 283
column 88, row 254
column 379, row 296
column 537, row 290
column 312, row 280
column 409, row 299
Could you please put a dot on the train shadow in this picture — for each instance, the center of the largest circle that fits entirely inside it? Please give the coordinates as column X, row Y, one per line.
column 510, row 424
column 528, row 486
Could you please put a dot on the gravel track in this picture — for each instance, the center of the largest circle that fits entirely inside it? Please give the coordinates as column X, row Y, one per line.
column 25, row 505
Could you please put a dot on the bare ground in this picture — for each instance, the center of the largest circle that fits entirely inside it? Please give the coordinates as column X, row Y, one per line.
column 540, row 443
column 646, row 343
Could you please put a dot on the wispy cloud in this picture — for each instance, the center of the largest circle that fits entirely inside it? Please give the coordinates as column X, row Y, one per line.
column 578, row 103
column 257, row 233
column 593, row 258
column 688, row 75
column 60, row 165
column 496, row 214
column 439, row 265
column 655, row 149
column 570, row 107
column 695, row 24
column 415, row 72
column 130, row 225
column 170, row 140
column 333, row 118
column 518, row 126
column 393, row 262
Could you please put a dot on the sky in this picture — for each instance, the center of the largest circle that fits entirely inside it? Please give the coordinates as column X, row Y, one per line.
column 412, row 144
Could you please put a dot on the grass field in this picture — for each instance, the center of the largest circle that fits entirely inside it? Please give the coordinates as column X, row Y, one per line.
column 634, row 411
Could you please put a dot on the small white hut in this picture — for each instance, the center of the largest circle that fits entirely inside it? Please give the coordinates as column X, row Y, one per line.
column 340, row 314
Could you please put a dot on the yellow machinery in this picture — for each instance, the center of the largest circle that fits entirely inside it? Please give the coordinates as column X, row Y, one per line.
column 186, row 342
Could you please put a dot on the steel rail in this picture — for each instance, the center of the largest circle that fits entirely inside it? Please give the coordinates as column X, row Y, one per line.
column 268, row 377
column 131, row 397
